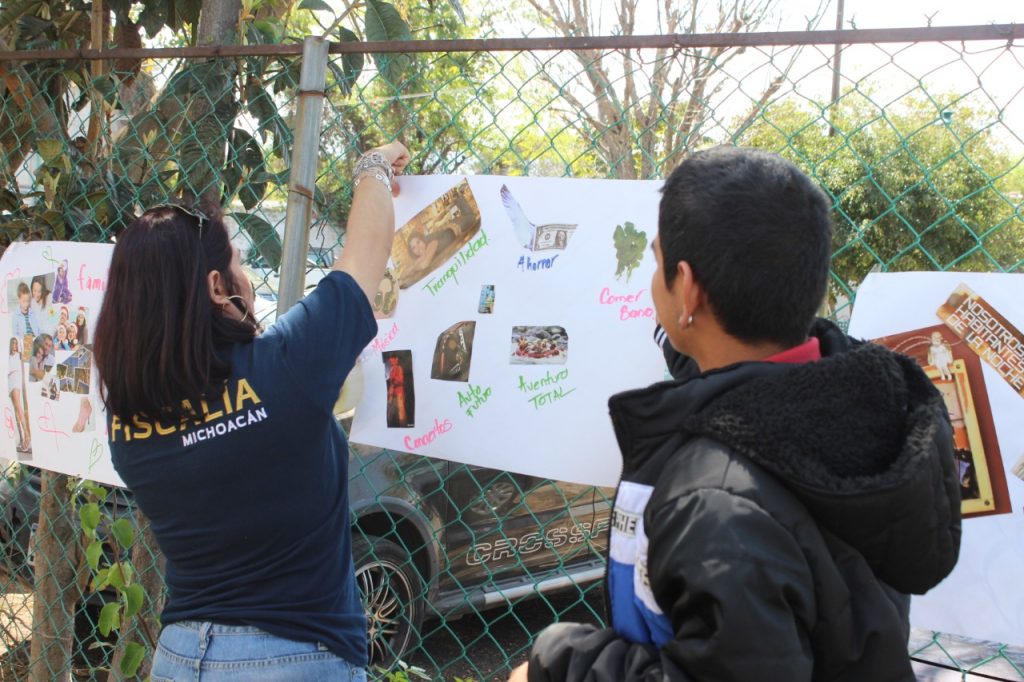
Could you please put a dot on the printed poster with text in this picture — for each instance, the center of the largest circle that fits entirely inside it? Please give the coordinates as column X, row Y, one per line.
column 53, row 415
column 512, row 309
column 964, row 329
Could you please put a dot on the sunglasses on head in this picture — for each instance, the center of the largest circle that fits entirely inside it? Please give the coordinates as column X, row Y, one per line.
column 189, row 211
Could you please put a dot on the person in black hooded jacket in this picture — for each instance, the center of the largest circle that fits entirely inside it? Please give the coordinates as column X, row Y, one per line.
column 786, row 492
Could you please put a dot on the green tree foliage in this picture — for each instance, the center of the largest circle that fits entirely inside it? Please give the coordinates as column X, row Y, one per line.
column 458, row 112
column 158, row 131
column 926, row 183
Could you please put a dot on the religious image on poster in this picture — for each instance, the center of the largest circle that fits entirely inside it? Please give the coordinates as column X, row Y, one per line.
column 989, row 334
column 434, row 234
column 454, row 352
column 548, row 237
column 962, row 329
column 956, row 371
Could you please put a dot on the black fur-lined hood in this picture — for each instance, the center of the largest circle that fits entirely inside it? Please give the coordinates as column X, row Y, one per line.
column 860, row 437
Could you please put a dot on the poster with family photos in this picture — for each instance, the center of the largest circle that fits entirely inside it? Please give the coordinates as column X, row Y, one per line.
column 53, row 415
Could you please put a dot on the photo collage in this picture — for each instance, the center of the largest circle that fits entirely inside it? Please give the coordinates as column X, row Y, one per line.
column 49, row 352
column 421, row 247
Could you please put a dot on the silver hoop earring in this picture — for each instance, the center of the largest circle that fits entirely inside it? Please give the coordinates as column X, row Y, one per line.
column 242, row 308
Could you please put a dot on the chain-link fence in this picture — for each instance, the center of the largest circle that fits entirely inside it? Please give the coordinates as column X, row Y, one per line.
column 919, row 143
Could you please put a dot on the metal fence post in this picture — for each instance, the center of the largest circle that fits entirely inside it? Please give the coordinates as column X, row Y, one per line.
column 305, row 155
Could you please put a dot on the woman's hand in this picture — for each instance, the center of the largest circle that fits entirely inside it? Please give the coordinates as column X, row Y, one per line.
column 371, row 225
column 398, row 156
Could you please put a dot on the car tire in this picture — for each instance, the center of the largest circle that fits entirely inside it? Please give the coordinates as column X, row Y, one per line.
column 393, row 595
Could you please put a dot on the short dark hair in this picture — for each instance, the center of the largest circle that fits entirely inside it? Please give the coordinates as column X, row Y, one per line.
column 157, row 332
column 757, row 233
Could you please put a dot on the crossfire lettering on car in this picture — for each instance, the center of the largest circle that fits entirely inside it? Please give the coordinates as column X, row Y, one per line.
column 507, row 548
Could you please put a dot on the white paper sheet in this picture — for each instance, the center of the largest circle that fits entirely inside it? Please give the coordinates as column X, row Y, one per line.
column 548, row 419
column 63, row 411
column 984, row 596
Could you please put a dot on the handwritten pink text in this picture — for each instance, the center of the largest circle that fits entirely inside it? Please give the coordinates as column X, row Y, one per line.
column 626, row 302
column 439, row 429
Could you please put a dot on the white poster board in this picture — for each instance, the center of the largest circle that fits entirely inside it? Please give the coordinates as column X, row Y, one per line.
column 514, row 342
column 53, row 416
column 567, row 321
column 984, row 596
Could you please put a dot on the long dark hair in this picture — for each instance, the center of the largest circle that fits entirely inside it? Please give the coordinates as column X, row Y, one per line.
column 157, row 335
column 41, row 279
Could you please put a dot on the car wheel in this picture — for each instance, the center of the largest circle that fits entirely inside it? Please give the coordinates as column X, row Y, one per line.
column 393, row 596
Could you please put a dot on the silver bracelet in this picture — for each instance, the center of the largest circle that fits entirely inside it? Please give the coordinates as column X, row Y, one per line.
column 374, row 161
column 374, row 174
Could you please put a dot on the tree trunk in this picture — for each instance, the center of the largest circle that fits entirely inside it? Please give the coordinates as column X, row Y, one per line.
column 218, row 22
column 57, row 565
column 212, row 119
column 149, row 566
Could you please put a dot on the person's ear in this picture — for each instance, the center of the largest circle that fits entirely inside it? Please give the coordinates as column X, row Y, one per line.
column 218, row 289
column 686, row 290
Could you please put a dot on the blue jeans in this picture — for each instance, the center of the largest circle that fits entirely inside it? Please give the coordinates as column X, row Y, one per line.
column 205, row 652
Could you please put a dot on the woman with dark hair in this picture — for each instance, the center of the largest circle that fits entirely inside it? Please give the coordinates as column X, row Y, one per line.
column 227, row 438
column 81, row 328
column 40, row 296
column 426, row 252
column 42, row 357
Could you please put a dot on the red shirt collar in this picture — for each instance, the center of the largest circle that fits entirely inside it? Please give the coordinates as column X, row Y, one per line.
column 808, row 351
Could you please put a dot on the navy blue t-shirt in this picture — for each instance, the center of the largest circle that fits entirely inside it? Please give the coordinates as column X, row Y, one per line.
column 249, row 502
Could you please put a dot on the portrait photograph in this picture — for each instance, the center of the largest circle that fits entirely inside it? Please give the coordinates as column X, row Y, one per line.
column 956, row 372
column 435, row 234
column 401, row 393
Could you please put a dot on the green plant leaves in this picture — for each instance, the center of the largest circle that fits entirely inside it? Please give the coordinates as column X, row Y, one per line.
column 50, row 150
column 245, row 171
column 16, row 10
column 314, row 5
column 110, row 617
column 263, row 235
column 89, row 514
column 351, row 63
column 267, row 30
column 93, row 553
column 134, row 595
column 101, row 579
column 134, row 653
column 384, row 23
column 123, row 532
